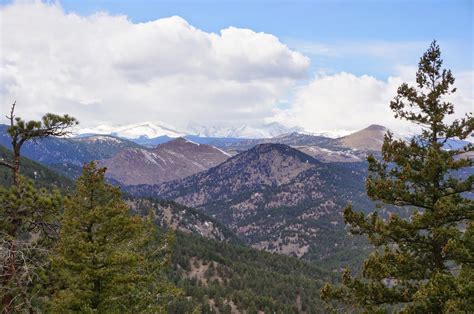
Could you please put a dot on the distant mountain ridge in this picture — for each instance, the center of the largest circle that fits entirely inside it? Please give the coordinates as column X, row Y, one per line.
column 172, row 160
column 241, row 131
column 291, row 139
column 141, row 132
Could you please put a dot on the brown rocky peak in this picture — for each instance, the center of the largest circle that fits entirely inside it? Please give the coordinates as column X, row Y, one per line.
column 176, row 159
column 371, row 138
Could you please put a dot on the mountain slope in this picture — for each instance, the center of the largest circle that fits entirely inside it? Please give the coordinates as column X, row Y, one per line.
column 40, row 174
column 275, row 198
column 229, row 278
column 170, row 215
column 370, row 138
column 166, row 214
column 264, row 165
column 328, row 155
column 220, row 274
column 169, row 161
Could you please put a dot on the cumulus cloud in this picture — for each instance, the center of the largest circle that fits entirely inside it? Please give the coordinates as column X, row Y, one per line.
column 344, row 101
column 106, row 69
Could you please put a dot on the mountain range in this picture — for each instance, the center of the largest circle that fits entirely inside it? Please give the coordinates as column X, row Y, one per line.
column 149, row 131
column 241, row 131
column 232, row 207
column 282, row 194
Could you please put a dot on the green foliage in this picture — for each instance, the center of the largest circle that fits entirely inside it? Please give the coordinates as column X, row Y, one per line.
column 422, row 263
column 22, row 131
column 27, row 216
column 50, row 125
column 181, row 217
column 41, row 175
column 251, row 279
column 28, row 225
column 107, row 260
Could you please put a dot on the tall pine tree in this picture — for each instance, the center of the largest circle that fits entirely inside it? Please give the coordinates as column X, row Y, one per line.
column 107, row 260
column 28, row 217
column 423, row 263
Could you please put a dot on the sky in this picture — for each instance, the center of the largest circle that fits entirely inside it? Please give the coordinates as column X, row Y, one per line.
column 320, row 65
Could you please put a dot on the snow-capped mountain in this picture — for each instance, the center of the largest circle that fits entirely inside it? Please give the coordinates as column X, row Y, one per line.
column 135, row 131
column 150, row 130
column 240, row 131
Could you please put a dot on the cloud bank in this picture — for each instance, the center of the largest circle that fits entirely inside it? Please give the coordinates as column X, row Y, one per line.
column 344, row 101
column 106, row 69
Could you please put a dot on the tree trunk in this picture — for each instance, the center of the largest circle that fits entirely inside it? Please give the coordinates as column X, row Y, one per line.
column 10, row 270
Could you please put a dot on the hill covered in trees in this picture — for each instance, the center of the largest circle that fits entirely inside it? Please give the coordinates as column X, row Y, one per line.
column 225, row 276
column 40, row 174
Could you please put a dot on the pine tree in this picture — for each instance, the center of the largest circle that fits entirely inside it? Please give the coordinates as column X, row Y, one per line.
column 423, row 262
column 22, row 131
column 28, row 217
column 107, row 260
column 28, row 226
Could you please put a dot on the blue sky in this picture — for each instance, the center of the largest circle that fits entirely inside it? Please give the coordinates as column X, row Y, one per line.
column 407, row 26
column 320, row 65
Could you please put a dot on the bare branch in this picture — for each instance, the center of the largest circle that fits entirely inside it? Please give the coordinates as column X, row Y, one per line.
column 11, row 117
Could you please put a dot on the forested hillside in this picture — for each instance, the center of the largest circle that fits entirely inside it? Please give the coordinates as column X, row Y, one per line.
column 40, row 174
column 224, row 276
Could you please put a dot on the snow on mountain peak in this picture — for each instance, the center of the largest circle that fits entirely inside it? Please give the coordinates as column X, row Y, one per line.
column 136, row 130
column 240, row 131
column 152, row 130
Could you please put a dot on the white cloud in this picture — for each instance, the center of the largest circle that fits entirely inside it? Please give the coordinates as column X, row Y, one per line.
column 344, row 101
column 106, row 69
